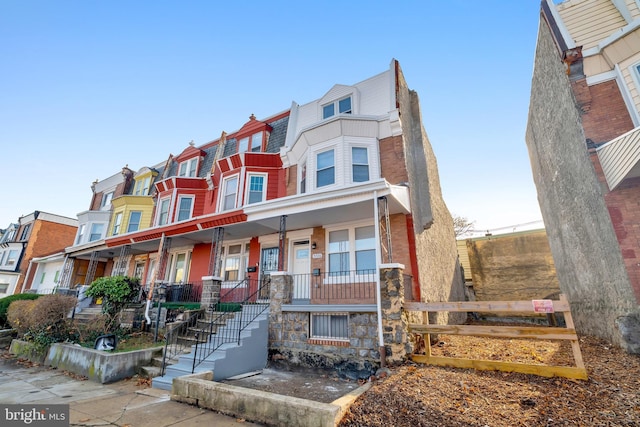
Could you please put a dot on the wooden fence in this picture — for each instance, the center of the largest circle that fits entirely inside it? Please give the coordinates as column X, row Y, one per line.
column 527, row 332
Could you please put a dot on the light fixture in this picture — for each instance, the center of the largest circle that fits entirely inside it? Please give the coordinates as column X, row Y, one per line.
column 313, row 245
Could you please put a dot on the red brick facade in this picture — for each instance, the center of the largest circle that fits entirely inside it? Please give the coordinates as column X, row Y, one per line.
column 606, row 118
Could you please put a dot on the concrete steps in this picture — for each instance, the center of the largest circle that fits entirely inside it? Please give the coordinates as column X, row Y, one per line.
column 88, row 314
column 229, row 359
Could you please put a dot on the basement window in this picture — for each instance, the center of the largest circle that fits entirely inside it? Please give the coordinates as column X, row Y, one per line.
column 330, row 326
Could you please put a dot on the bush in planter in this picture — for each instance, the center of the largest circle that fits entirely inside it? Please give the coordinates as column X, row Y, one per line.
column 6, row 301
column 116, row 292
column 44, row 320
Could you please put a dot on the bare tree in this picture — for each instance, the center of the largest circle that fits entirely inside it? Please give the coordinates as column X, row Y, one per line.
column 461, row 225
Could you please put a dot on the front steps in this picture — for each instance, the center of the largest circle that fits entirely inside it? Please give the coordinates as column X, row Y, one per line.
column 229, row 359
column 88, row 314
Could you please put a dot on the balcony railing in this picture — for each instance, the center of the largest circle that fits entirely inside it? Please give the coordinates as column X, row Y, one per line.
column 341, row 287
column 181, row 291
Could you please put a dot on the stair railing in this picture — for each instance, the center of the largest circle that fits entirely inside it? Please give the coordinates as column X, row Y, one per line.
column 249, row 308
column 172, row 345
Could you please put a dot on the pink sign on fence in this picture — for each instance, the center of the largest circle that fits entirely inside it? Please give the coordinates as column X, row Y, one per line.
column 542, row 305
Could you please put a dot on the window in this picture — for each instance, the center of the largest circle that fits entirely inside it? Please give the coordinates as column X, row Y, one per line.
column 96, row 232
column 3, row 288
column 142, row 187
column 13, row 257
column 303, row 178
column 134, row 221
column 188, row 167
column 338, row 251
column 56, row 278
column 360, row 162
column 256, row 142
column 325, row 168
column 42, row 277
column 4, row 254
column 230, row 193
column 81, row 231
column 343, row 106
column 163, row 215
column 106, row 201
column 25, row 232
column 353, row 246
column 179, row 268
column 117, row 222
column 184, row 208
column 256, row 189
column 236, row 257
column 330, row 326
column 243, row 144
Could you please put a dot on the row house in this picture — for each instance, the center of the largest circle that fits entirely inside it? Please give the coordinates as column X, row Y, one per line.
column 36, row 235
column 326, row 193
column 584, row 142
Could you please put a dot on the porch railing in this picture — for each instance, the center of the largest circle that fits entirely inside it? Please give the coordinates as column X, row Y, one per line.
column 239, row 306
column 340, row 287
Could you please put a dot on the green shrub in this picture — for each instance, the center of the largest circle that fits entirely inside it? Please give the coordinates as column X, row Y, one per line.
column 116, row 292
column 6, row 301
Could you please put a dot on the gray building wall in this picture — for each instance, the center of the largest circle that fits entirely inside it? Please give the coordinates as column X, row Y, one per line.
column 587, row 257
column 438, row 264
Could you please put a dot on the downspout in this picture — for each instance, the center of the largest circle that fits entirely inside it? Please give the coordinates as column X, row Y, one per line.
column 381, row 348
column 153, row 282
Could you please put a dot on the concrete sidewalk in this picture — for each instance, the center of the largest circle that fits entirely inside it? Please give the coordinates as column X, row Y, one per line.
column 123, row 403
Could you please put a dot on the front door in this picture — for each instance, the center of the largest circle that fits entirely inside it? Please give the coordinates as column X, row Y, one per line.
column 301, row 261
column 268, row 263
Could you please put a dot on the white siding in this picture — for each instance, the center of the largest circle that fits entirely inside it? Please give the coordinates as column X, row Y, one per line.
column 590, row 21
column 632, row 5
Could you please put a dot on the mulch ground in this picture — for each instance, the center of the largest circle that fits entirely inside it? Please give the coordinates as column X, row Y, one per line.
column 419, row 395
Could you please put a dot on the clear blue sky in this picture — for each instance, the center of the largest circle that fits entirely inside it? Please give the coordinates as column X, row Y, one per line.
column 87, row 87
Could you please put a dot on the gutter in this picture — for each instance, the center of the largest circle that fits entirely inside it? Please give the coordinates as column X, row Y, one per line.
column 382, row 350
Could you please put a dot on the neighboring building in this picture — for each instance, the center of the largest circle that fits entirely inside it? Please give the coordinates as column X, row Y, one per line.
column 509, row 267
column 35, row 235
column 583, row 137
column 327, row 193
column 47, row 273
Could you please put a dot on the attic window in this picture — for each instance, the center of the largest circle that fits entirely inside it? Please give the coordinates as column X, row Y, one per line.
column 252, row 143
column 342, row 106
column 188, row 168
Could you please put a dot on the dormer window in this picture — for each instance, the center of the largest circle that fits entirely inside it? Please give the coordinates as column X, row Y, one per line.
column 106, row 201
column 252, row 143
column 342, row 106
column 25, row 232
column 142, row 186
column 188, row 168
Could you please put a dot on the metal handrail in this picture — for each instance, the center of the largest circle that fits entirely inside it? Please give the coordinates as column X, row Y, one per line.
column 171, row 346
column 250, row 309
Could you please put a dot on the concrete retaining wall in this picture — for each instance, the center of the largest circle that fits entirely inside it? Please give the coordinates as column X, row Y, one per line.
column 259, row 406
column 98, row 365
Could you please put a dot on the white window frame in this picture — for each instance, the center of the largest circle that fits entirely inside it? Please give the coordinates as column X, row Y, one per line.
column 317, row 169
column 142, row 186
column 353, row 164
column 105, row 203
column 162, row 201
column 92, row 231
column 242, row 258
column 172, row 272
column 337, row 107
column 81, row 229
column 188, row 168
column 12, row 260
column 351, row 229
column 304, row 180
column 25, row 232
column 117, row 223
column 327, row 316
column 129, row 230
column 190, row 214
column 223, row 192
column 264, row 177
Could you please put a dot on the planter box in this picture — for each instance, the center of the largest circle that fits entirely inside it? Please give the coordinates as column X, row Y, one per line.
column 99, row 366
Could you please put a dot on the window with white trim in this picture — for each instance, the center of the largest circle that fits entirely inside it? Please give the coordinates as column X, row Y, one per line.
column 230, row 193
column 3, row 288
column 97, row 230
column 256, row 188
column 81, row 231
column 142, row 186
column 13, row 257
column 44, row 273
column 330, row 326
column 179, row 266
column 106, row 201
column 354, row 246
column 163, row 212
column 117, row 223
column 4, row 254
column 252, row 143
column 303, row 178
column 341, row 106
column 25, row 232
column 188, row 168
column 185, row 204
column 360, row 164
column 235, row 260
column 134, row 221
column 325, row 168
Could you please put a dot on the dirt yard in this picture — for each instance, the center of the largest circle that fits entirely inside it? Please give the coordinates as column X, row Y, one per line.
column 418, row 395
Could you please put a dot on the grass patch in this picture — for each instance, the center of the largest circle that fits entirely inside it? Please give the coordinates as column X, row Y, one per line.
column 228, row 306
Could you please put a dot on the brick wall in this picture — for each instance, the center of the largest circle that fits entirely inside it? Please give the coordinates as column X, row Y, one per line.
column 607, row 116
column 392, row 160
